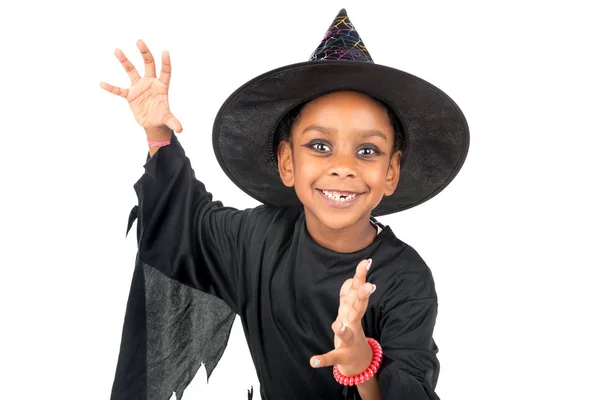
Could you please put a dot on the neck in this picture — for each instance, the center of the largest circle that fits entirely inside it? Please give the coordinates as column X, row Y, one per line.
column 346, row 240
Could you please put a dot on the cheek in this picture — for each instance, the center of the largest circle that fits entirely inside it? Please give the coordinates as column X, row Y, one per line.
column 375, row 176
column 305, row 170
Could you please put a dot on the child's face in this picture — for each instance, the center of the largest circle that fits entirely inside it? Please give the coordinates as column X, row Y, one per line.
column 340, row 159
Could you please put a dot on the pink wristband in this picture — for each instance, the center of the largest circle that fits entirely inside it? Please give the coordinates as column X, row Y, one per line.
column 159, row 144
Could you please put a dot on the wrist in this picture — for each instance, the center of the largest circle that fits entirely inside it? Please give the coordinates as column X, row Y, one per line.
column 362, row 362
column 159, row 134
column 369, row 390
column 377, row 357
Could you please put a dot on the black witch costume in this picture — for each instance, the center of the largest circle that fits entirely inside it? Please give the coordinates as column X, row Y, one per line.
column 200, row 263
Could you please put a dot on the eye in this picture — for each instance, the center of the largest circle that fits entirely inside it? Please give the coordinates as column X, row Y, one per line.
column 368, row 151
column 319, row 146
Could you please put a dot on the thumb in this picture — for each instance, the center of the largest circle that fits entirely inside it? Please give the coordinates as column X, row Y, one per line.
column 328, row 359
column 173, row 123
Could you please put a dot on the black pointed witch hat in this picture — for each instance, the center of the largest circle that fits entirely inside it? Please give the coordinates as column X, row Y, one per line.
column 435, row 128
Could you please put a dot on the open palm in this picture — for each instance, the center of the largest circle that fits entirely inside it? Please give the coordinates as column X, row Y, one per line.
column 148, row 95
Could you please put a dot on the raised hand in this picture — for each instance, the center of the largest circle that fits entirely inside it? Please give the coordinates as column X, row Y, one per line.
column 148, row 95
column 352, row 352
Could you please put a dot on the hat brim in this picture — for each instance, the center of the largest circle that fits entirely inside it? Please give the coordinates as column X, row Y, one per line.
column 436, row 129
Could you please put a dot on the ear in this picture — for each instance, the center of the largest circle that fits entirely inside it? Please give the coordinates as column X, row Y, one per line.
column 393, row 174
column 285, row 163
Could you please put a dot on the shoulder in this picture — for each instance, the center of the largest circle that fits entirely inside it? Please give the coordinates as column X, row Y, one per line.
column 404, row 275
column 265, row 216
column 266, row 221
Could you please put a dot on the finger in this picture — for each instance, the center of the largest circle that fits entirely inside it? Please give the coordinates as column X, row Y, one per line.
column 129, row 68
column 165, row 71
column 343, row 332
column 358, row 308
column 360, row 276
column 358, row 280
column 329, row 359
column 343, row 293
column 114, row 90
column 173, row 123
column 346, row 286
column 149, row 66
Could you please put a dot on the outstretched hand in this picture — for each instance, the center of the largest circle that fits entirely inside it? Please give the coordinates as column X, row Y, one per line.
column 148, row 95
column 352, row 352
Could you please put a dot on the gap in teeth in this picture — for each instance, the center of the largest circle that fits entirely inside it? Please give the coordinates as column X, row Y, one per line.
column 337, row 197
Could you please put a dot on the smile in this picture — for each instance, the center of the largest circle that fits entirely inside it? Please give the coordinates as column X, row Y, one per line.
column 339, row 197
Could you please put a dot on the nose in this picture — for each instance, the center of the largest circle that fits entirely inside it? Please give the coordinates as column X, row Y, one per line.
column 343, row 165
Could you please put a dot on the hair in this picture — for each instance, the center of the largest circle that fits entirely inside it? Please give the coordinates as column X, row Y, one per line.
column 283, row 131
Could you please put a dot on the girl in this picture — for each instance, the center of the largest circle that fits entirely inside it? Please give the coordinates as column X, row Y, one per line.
column 318, row 282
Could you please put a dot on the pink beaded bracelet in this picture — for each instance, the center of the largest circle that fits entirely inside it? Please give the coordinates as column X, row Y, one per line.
column 366, row 374
column 159, row 144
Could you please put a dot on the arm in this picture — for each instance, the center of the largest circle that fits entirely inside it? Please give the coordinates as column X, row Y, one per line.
column 183, row 233
column 403, row 324
column 410, row 368
column 369, row 390
column 187, row 237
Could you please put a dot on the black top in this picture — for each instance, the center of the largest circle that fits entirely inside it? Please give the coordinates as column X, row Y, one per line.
column 264, row 265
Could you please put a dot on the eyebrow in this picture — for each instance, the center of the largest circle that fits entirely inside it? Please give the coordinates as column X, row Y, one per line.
column 362, row 132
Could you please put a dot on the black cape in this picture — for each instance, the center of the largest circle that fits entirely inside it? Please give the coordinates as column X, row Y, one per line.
column 200, row 263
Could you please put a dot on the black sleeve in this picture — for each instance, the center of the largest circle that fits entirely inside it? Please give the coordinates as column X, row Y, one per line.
column 183, row 233
column 410, row 368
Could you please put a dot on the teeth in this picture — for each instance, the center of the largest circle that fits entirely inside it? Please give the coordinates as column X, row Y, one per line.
column 337, row 197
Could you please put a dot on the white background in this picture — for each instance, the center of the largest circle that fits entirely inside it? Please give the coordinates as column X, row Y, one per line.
column 512, row 242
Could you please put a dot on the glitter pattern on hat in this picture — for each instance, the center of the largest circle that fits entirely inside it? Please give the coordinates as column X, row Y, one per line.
column 342, row 42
